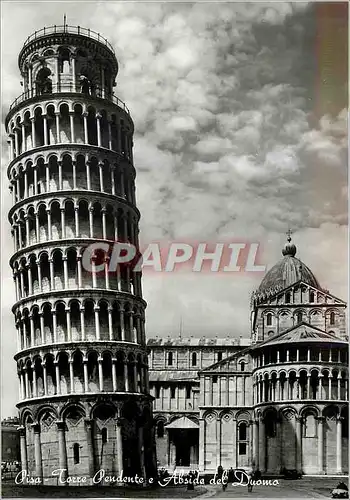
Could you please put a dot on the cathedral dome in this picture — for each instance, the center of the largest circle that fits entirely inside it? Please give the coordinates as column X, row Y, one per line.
column 287, row 271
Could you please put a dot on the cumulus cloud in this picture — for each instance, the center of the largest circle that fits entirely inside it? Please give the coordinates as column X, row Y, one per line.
column 229, row 142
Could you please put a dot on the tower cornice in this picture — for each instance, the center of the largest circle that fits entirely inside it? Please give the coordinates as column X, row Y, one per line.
column 30, row 97
column 74, row 149
column 73, row 294
column 58, row 195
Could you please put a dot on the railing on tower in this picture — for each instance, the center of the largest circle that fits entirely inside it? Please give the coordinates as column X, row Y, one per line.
column 68, row 87
column 65, row 28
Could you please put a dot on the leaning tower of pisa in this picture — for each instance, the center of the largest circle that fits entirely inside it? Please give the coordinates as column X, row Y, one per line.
column 81, row 356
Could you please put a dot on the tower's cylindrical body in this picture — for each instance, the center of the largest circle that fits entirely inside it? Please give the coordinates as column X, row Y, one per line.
column 81, row 356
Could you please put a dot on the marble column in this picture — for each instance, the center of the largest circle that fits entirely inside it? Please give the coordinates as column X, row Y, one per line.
column 339, row 446
column 86, row 375
column 100, row 374
column 71, row 120
column 119, row 446
column 210, row 382
column 320, row 445
column 71, row 377
column 298, row 444
column 114, row 375
column 218, row 442
column 234, row 443
column 256, row 443
column 23, row 447
column 37, row 451
column 62, row 450
column 90, row 447
column 58, row 139
column 201, row 444
column 58, row 381
column 262, row 446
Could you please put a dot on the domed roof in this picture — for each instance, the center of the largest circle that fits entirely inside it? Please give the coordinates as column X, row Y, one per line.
column 287, row 271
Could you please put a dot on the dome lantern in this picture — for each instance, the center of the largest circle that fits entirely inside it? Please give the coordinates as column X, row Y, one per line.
column 287, row 271
column 289, row 248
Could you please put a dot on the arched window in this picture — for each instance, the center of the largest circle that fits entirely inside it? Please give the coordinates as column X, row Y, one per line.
column 76, row 453
column 242, row 434
column 242, row 439
column 312, row 297
column 332, row 318
column 269, row 319
column 242, row 364
column 170, row 359
column 299, row 317
column 43, row 81
column 64, row 60
column 270, row 424
column 160, row 429
column 194, row 359
column 310, row 428
column 104, row 435
column 287, row 297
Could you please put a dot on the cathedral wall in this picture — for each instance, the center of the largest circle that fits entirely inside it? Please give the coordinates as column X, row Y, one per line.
column 239, row 393
column 227, row 442
column 158, row 361
column 330, row 446
column 210, row 444
column 183, row 360
column 288, row 441
column 174, row 397
column 283, row 317
column 273, row 453
column 182, row 356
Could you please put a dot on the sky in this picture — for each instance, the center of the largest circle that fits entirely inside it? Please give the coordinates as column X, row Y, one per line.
column 240, row 133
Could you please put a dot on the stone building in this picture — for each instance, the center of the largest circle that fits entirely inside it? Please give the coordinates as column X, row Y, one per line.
column 281, row 402
column 81, row 357
column 174, row 383
column 9, row 440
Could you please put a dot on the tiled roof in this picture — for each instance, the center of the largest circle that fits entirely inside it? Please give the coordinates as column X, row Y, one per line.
column 302, row 333
column 182, row 423
column 197, row 342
